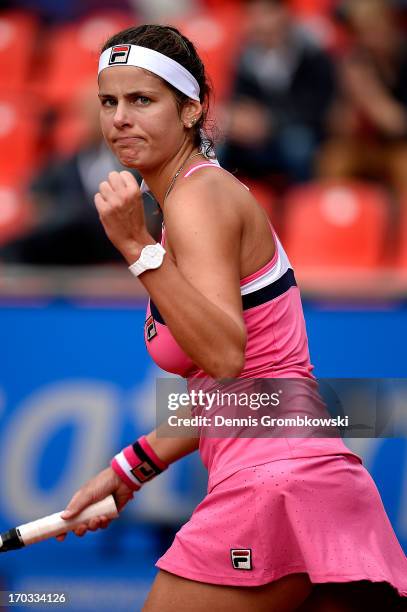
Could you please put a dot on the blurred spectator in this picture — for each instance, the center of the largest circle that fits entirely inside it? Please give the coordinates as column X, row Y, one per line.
column 68, row 230
column 283, row 89
column 158, row 10
column 50, row 11
column 369, row 118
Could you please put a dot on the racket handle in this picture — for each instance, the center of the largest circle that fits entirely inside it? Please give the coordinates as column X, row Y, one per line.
column 53, row 525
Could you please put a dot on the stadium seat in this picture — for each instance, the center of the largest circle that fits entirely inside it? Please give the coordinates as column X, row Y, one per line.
column 20, row 130
column 69, row 134
column 263, row 194
column 216, row 34
column 18, row 31
column 402, row 241
column 16, row 212
column 336, row 225
column 312, row 7
column 72, row 53
column 318, row 18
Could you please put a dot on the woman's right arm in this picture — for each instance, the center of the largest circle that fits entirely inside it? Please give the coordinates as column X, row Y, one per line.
column 171, row 449
column 107, row 482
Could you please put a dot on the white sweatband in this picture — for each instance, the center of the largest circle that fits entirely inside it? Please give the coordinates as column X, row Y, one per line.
column 157, row 63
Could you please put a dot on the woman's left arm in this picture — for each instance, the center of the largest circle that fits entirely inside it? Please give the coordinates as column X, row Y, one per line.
column 198, row 293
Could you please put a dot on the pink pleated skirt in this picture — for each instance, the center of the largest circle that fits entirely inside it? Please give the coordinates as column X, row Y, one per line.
column 320, row 515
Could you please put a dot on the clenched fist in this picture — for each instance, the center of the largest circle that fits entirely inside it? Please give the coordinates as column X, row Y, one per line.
column 120, row 207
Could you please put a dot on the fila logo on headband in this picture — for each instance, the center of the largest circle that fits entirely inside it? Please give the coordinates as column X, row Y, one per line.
column 241, row 558
column 119, row 54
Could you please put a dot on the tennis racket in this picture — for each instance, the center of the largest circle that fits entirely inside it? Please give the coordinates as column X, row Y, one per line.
column 53, row 525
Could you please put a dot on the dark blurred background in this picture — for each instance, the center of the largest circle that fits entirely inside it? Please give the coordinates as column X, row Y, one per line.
column 310, row 112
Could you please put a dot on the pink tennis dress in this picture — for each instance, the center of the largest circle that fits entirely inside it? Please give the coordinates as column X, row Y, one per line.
column 277, row 506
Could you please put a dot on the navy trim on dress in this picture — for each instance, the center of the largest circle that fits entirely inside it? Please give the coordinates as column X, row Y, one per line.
column 266, row 294
column 270, row 292
column 156, row 313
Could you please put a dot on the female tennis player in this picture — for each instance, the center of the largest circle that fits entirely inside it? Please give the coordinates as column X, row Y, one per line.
column 288, row 523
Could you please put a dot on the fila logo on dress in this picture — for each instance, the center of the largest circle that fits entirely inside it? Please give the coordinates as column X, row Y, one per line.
column 151, row 330
column 241, row 558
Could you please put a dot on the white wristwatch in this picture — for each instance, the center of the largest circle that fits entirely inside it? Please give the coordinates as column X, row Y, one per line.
column 151, row 258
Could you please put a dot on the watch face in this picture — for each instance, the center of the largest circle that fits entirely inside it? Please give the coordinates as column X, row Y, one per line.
column 152, row 256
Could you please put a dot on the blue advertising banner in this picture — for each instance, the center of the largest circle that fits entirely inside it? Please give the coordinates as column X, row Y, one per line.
column 368, row 341
column 76, row 384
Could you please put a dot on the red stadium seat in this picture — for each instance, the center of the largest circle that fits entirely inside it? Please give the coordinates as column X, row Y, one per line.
column 75, row 124
column 263, row 194
column 312, row 7
column 69, row 134
column 318, row 18
column 212, row 5
column 19, row 138
column 18, row 32
column 330, row 35
column 16, row 212
column 402, row 242
column 336, row 225
column 72, row 53
column 217, row 36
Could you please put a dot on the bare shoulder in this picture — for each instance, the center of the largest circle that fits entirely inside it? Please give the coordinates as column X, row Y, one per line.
column 212, row 217
column 210, row 200
column 214, row 225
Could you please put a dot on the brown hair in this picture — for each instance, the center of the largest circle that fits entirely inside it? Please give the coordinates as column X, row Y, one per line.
column 170, row 42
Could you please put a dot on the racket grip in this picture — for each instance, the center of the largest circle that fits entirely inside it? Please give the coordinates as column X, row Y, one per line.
column 53, row 525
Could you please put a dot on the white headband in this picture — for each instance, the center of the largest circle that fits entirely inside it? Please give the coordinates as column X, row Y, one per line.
column 161, row 65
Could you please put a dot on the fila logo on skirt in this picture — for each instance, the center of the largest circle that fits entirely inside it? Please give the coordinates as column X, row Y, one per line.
column 241, row 558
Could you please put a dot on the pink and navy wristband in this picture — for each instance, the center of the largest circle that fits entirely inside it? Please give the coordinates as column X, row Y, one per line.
column 137, row 464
